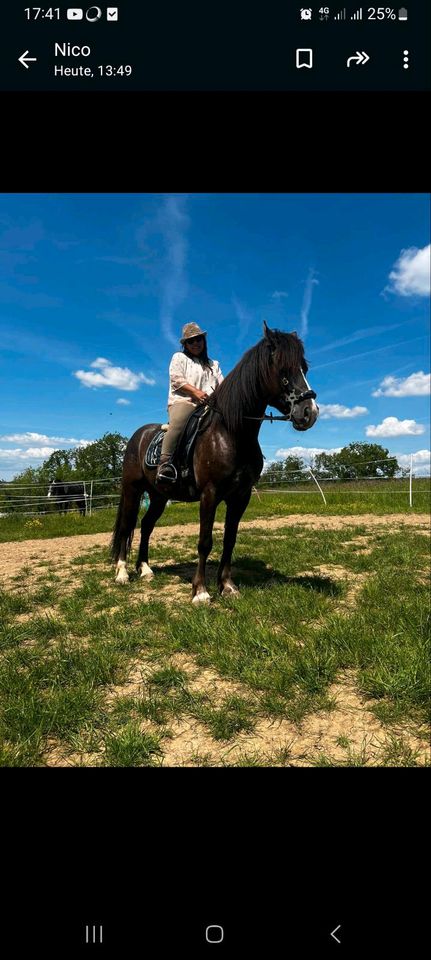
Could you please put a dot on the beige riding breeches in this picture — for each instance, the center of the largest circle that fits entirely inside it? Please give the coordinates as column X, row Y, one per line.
column 178, row 414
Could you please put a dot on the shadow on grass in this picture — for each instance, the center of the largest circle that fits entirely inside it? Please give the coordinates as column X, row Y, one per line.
column 248, row 573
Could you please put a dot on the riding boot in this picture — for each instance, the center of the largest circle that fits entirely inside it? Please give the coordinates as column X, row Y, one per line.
column 166, row 472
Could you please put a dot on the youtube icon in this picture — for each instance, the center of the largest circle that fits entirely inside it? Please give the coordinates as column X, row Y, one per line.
column 74, row 13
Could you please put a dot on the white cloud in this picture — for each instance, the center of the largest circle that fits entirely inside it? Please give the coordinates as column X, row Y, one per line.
column 307, row 453
column 279, row 294
column 32, row 453
column 416, row 385
column 392, row 427
column 339, row 412
column 30, row 437
column 12, row 461
column 421, row 461
column 120, row 378
column 410, row 275
column 123, row 402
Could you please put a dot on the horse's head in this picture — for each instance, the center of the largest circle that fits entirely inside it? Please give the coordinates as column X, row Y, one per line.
column 289, row 391
column 53, row 488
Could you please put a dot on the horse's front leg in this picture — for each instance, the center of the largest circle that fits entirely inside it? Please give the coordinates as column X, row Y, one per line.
column 234, row 512
column 148, row 522
column 127, row 514
column 208, row 507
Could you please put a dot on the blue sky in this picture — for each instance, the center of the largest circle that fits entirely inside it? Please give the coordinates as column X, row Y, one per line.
column 94, row 290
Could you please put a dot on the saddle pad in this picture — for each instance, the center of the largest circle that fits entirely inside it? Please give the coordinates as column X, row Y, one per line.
column 152, row 456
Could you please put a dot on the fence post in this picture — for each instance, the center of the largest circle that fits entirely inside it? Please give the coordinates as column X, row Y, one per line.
column 91, row 495
column 411, row 472
column 318, row 485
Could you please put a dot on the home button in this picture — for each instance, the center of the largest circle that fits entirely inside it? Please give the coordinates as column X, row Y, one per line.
column 214, row 934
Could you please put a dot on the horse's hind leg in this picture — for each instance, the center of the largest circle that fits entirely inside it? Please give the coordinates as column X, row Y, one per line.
column 234, row 512
column 148, row 522
column 208, row 506
column 124, row 529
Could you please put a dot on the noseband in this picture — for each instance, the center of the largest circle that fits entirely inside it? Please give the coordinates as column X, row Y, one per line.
column 293, row 397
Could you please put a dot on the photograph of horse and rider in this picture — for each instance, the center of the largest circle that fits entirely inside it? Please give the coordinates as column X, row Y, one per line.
column 215, row 480
column 227, row 460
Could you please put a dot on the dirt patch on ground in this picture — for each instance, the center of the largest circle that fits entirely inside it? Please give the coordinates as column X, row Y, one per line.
column 207, row 681
column 361, row 543
column 135, row 684
column 348, row 731
column 354, row 581
column 13, row 556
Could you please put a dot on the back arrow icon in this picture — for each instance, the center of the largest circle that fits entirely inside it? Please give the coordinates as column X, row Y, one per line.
column 360, row 58
column 333, row 932
column 23, row 59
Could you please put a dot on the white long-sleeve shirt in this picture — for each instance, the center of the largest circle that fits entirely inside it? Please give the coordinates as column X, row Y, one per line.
column 184, row 370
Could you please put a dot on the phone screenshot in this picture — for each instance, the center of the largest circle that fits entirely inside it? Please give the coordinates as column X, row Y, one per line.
column 232, row 47
column 214, row 479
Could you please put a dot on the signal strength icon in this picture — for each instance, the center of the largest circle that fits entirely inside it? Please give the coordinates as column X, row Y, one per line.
column 357, row 15
column 341, row 15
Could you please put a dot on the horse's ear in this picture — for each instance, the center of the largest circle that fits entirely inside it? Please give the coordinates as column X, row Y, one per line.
column 266, row 331
column 294, row 334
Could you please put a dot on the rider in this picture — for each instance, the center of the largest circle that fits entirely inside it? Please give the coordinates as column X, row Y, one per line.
column 192, row 378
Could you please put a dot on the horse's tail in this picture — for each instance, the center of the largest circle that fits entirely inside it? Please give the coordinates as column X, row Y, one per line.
column 125, row 523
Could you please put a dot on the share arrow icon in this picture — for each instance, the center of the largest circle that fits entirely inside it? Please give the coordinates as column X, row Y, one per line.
column 24, row 59
column 359, row 58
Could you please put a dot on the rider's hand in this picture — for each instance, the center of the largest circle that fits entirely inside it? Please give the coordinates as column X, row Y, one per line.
column 201, row 396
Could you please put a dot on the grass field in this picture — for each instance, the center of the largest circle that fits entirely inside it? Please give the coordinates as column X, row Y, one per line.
column 379, row 497
column 323, row 660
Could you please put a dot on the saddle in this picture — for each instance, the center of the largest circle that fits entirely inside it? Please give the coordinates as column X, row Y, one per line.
column 198, row 421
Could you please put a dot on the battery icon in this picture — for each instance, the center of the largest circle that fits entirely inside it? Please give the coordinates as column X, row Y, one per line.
column 402, row 13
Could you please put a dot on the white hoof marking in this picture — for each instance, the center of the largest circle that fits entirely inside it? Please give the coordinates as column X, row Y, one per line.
column 229, row 591
column 122, row 575
column 202, row 598
column 145, row 572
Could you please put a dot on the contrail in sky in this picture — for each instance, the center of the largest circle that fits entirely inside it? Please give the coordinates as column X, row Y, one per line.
column 306, row 303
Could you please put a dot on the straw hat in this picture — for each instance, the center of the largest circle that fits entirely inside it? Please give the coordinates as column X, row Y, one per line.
column 192, row 330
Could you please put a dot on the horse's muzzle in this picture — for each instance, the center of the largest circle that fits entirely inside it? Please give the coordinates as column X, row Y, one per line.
column 306, row 416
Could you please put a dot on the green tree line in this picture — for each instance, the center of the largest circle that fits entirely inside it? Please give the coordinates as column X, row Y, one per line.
column 101, row 460
column 357, row 461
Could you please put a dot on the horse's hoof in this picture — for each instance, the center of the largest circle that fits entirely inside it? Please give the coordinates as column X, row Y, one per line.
column 145, row 572
column 229, row 591
column 122, row 576
column 202, row 598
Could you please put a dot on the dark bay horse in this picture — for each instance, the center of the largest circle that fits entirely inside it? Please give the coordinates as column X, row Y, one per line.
column 227, row 459
column 68, row 494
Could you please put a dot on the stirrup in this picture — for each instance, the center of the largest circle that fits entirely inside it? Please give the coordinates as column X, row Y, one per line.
column 166, row 473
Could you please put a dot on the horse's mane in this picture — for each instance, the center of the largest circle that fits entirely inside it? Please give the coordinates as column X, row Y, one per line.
column 246, row 384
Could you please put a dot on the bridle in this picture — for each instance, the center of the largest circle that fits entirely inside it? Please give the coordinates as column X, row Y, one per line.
column 293, row 397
